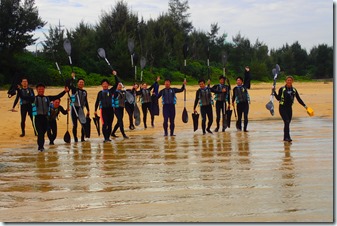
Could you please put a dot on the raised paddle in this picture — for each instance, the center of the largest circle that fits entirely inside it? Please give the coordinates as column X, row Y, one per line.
column 142, row 66
column 185, row 114
column 270, row 104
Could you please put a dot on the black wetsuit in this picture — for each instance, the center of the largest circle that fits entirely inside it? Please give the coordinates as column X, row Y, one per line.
column 286, row 98
column 241, row 97
column 247, row 78
column 169, row 100
column 25, row 107
column 119, row 100
column 204, row 98
column 220, row 102
column 106, row 104
column 79, row 99
column 130, row 109
column 40, row 112
column 146, row 99
column 52, row 131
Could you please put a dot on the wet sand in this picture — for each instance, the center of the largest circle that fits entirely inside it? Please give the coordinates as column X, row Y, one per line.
column 224, row 177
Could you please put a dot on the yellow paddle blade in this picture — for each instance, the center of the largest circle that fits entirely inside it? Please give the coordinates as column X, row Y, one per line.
column 310, row 111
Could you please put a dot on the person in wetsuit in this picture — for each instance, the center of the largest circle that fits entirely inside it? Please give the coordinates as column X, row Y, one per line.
column 221, row 91
column 25, row 105
column 242, row 100
column 130, row 106
column 286, row 96
column 204, row 98
column 119, row 100
column 55, row 109
column 106, row 104
column 79, row 100
column 41, row 111
column 169, row 100
column 146, row 100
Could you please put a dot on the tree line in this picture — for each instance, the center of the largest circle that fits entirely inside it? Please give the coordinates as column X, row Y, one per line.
column 159, row 41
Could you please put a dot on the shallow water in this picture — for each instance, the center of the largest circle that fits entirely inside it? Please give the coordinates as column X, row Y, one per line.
column 225, row 177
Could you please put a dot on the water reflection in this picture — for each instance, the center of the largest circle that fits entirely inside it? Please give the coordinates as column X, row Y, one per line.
column 243, row 149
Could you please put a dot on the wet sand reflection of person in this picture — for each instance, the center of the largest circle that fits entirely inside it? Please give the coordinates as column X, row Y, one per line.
column 224, row 147
column 243, row 150
column 170, row 150
column 47, row 164
column 287, row 167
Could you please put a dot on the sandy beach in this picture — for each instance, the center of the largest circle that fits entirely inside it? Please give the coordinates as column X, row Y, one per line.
column 222, row 177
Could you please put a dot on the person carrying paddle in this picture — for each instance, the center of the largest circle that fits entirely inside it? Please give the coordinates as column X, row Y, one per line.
column 204, row 98
column 106, row 105
column 130, row 105
column 41, row 111
column 146, row 100
column 55, row 109
column 242, row 100
column 25, row 105
column 286, row 96
column 169, row 100
column 119, row 101
column 79, row 100
column 221, row 91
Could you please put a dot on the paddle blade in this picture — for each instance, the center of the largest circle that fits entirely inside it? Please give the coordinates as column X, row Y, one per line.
column 66, row 137
column 229, row 116
column 185, row 116
column 224, row 59
column 96, row 122
column 142, row 62
column 87, row 127
column 195, row 118
column 278, row 69
column 67, row 46
column 81, row 116
column 131, row 45
column 101, row 53
column 310, row 111
column 130, row 98
column 136, row 115
column 270, row 107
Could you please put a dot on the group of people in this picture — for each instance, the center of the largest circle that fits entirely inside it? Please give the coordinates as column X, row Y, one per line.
column 110, row 102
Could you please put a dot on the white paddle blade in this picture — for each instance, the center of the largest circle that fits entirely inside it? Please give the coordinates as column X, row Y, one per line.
column 67, row 46
column 142, row 62
column 101, row 53
column 278, row 69
column 131, row 45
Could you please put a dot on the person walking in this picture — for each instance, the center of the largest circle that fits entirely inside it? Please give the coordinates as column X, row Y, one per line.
column 25, row 105
column 106, row 104
column 79, row 100
column 169, row 100
column 41, row 111
column 119, row 100
column 242, row 100
column 221, row 91
column 55, row 109
column 204, row 98
column 286, row 96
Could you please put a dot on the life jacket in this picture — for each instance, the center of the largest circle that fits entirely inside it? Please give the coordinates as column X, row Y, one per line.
column 205, row 97
column 106, row 99
column 79, row 98
column 241, row 94
column 290, row 93
column 26, row 93
column 169, row 96
column 54, row 112
column 120, row 99
column 146, row 96
column 41, row 106
column 221, row 96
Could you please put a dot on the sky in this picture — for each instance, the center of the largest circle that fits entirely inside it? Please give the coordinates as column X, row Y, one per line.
column 272, row 22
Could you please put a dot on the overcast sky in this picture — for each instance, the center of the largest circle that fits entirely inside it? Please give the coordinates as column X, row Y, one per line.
column 273, row 22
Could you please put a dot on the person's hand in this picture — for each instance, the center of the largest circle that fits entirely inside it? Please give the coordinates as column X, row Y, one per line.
column 195, row 111
column 114, row 72
column 185, row 81
column 95, row 113
column 158, row 79
column 224, row 90
column 66, row 89
column 13, row 110
column 229, row 106
column 88, row 114
column 208, row 82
